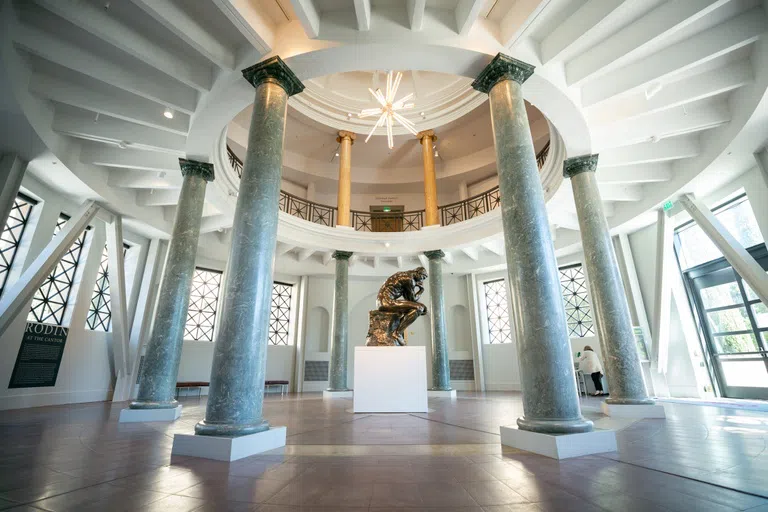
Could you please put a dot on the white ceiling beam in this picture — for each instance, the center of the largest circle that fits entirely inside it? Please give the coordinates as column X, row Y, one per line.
column 308, row 16
column 471, row 253
column 634, row 173
column 97, row 21
column 363, row 14
column 667, row 123
column 188, row 29
column 400, row 262
column 466, row 14
column 108, row 156
column 495, row 246
column 253, row 24
column 416, row 10
column 563, row 218
column 215, row 223
column 423, row 260
column 83, row 124
column 169, row 197
column 144, row 81
column 619, row 48
column 107, row 100
column 448, row 258
column 327, row 257
column 694, row 51
column 649, row 152
column 304, row 254
column 517, row 20
column 126, row 178
column 375, row 261
column 587, row 17
column 283, row 249
column 688, row 90
column 620, row 192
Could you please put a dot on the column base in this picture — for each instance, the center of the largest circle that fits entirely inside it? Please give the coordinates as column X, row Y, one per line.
column 563, row 446
column 143, row 405
column 148, row 415
column 442, row 393
column 341, row 393
column 228, row 448
column 204, row 428
column 555, row 427
column 633, row 410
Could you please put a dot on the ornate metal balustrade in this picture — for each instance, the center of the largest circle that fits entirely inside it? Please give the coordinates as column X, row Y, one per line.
column 388, row 222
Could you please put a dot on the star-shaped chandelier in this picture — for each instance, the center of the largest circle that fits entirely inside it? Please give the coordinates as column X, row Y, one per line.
column 387, row 112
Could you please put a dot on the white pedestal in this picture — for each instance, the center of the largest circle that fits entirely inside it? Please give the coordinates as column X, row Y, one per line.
column 147, row 415
column 562, row 446
column 431, row 393
column 633, row 411
column 337, row 394
column 390, row 379
column 228, row 448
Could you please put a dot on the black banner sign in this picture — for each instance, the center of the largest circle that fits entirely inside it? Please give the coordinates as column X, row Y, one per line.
column 37, row 364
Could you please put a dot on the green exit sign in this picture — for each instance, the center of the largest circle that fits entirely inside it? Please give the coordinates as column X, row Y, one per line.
column 668, row 206
column 386, row 209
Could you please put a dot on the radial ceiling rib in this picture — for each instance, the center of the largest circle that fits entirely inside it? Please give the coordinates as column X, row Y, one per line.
column 676, row 94
column 648, row 173
column 620, row 192
column 308, row 16
column 619, row 48
column 466, row 14
column 363, row 14
column 124, row 178
column 250, row 22
column 576, row 26
column 98, row 22
column 99, row 154
column 416, row 10
column 649, row 152
column 696, row 50
column 84, row 124
column 157, row 197
column 189, row 30
column 134, row 77
column 107, row 100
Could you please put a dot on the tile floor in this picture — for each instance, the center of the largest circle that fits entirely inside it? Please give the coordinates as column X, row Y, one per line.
column 79, row 458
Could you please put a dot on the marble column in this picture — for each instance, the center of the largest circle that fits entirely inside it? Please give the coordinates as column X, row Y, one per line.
column 441, row 374
column 431, row 213
column 344, row 196
column 338, row 370
column 236, row 393
column 550, row 400
column 609, row 301
column 157, row 386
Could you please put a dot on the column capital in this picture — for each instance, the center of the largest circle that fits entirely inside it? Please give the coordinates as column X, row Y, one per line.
column 342, row 255
column 195, row 168
column 426, row 133
column 502, row 67
column 276, row 71
column 579, row 164
column 434, row 255
column 343, row 134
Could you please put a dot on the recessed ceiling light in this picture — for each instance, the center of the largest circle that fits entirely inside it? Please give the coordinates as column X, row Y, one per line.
column 422, row 114
column 349, row 114
column 337, row 154
column 168, row 113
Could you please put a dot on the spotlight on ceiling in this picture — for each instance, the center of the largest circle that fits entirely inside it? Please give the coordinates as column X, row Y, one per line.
column 652, row 90
column 337, row 154
column 168, row 113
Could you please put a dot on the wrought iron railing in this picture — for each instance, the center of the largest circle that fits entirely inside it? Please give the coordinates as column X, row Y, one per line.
column 388, row 221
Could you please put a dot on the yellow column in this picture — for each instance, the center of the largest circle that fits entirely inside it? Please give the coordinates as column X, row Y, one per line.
column 345, row 139
column 427, row 138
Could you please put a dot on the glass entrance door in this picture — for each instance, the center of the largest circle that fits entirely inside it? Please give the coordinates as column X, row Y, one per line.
column 735, row 324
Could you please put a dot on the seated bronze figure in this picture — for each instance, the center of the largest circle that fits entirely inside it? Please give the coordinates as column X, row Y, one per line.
column 398, row 307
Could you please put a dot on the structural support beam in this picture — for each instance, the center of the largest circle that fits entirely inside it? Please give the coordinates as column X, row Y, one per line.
column 308, row 16
column 12, row 169
column 17, row 297
column 741, row 261
column 587, row 17
column 761, row 157
column 416, row 10
column 119, row 308
column 363, row 14
column 304, row 254
column 650, row 152
column 635, row 174
column 662, row 292
column 250, row 22
column 466, row 14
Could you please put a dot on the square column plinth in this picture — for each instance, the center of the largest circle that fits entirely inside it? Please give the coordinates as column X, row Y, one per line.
column 228, row 448
column 337, row 394
column 562, row 446
column 432, row 393
column 148, row 415
column 390, row 379
column 634, row 411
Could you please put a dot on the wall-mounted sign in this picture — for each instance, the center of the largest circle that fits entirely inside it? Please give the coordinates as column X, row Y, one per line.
column 37, row 364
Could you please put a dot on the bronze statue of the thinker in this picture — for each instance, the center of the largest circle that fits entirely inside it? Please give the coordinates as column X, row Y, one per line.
column 398, row 307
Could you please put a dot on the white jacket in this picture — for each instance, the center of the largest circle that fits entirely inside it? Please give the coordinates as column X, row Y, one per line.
column 589, row 363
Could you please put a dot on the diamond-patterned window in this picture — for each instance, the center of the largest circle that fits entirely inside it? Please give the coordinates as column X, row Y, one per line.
column 280, row 314
column 203, row 301
column 497, row 311
column 578, row 312
column 100, row 312
column 12, row 233
column 52, row 298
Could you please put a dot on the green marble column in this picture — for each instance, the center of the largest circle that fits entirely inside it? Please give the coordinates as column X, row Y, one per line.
column 609, row 301
column 550, row 400
column 441, row 373
column 236, row 394
column 157, row 386
column 338, row 368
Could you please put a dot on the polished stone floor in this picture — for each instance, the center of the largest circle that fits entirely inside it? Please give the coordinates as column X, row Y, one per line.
column 79, row 458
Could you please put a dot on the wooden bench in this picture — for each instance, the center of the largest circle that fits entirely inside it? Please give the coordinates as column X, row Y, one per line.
column 282, row 383
column 192, row 384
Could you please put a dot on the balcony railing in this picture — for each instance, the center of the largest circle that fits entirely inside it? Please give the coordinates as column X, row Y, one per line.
column 388, row 221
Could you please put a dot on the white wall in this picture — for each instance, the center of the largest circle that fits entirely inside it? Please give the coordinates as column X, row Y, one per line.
column 86, row 372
